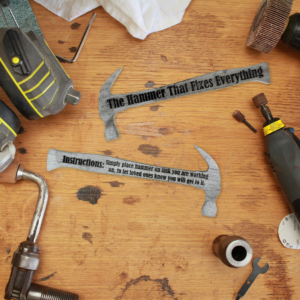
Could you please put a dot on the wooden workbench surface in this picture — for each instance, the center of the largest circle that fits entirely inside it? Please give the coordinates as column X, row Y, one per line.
column 144, row 239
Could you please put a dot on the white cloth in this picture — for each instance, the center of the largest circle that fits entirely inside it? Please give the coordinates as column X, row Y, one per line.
column 140, row 17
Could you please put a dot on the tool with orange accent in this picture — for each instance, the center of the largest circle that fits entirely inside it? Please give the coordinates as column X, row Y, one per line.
column 283, row 152
column 31, row 75
column 272, row 23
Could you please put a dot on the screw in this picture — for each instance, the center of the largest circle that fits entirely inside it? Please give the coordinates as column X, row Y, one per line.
column 241, row 118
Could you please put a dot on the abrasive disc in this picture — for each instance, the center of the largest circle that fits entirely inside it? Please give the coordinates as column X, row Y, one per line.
column 269, row 24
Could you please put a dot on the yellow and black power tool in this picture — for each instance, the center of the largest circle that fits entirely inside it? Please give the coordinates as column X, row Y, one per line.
column 31, row 75
column 38, row 86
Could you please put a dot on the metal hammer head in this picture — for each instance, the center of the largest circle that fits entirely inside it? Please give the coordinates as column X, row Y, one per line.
column 212, row 186
column 106, row 114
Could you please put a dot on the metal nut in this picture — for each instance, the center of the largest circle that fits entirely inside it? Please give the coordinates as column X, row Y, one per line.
column 233, row 251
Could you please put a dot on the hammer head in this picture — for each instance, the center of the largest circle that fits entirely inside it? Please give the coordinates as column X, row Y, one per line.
column 212, row 186
column 106, row 114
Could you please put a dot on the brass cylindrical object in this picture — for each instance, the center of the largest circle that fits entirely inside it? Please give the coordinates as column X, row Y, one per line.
column 233, row 251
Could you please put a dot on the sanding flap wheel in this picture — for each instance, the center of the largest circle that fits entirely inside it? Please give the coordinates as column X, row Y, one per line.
column 269, row 24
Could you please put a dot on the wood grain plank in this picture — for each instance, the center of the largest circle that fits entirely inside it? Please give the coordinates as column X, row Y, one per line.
column 147, row 240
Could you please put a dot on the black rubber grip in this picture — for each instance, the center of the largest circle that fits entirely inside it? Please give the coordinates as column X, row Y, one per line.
column 14, row 48
column 296, row 209
column 4, row 3
column 9, row 117
column 291, row 35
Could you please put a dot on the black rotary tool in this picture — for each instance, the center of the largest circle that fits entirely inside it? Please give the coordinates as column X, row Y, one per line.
column 31, row 75
column 272, row 22
column 283, row 151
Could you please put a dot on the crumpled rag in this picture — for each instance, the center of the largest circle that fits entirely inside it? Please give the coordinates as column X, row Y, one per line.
column 140, row 17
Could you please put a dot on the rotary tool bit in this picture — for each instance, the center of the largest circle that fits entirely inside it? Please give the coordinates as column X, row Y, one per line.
column 283, row 152
column 241, row 118
column 271, row 23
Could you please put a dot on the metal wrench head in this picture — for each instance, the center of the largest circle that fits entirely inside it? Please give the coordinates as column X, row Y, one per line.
column 256, row 267
column 108, row 116
column 213, row 186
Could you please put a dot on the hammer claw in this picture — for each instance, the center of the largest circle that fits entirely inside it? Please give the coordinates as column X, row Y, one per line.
column 212, row 165
column 213, row 188
column 111, row 131
column 105, row 90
